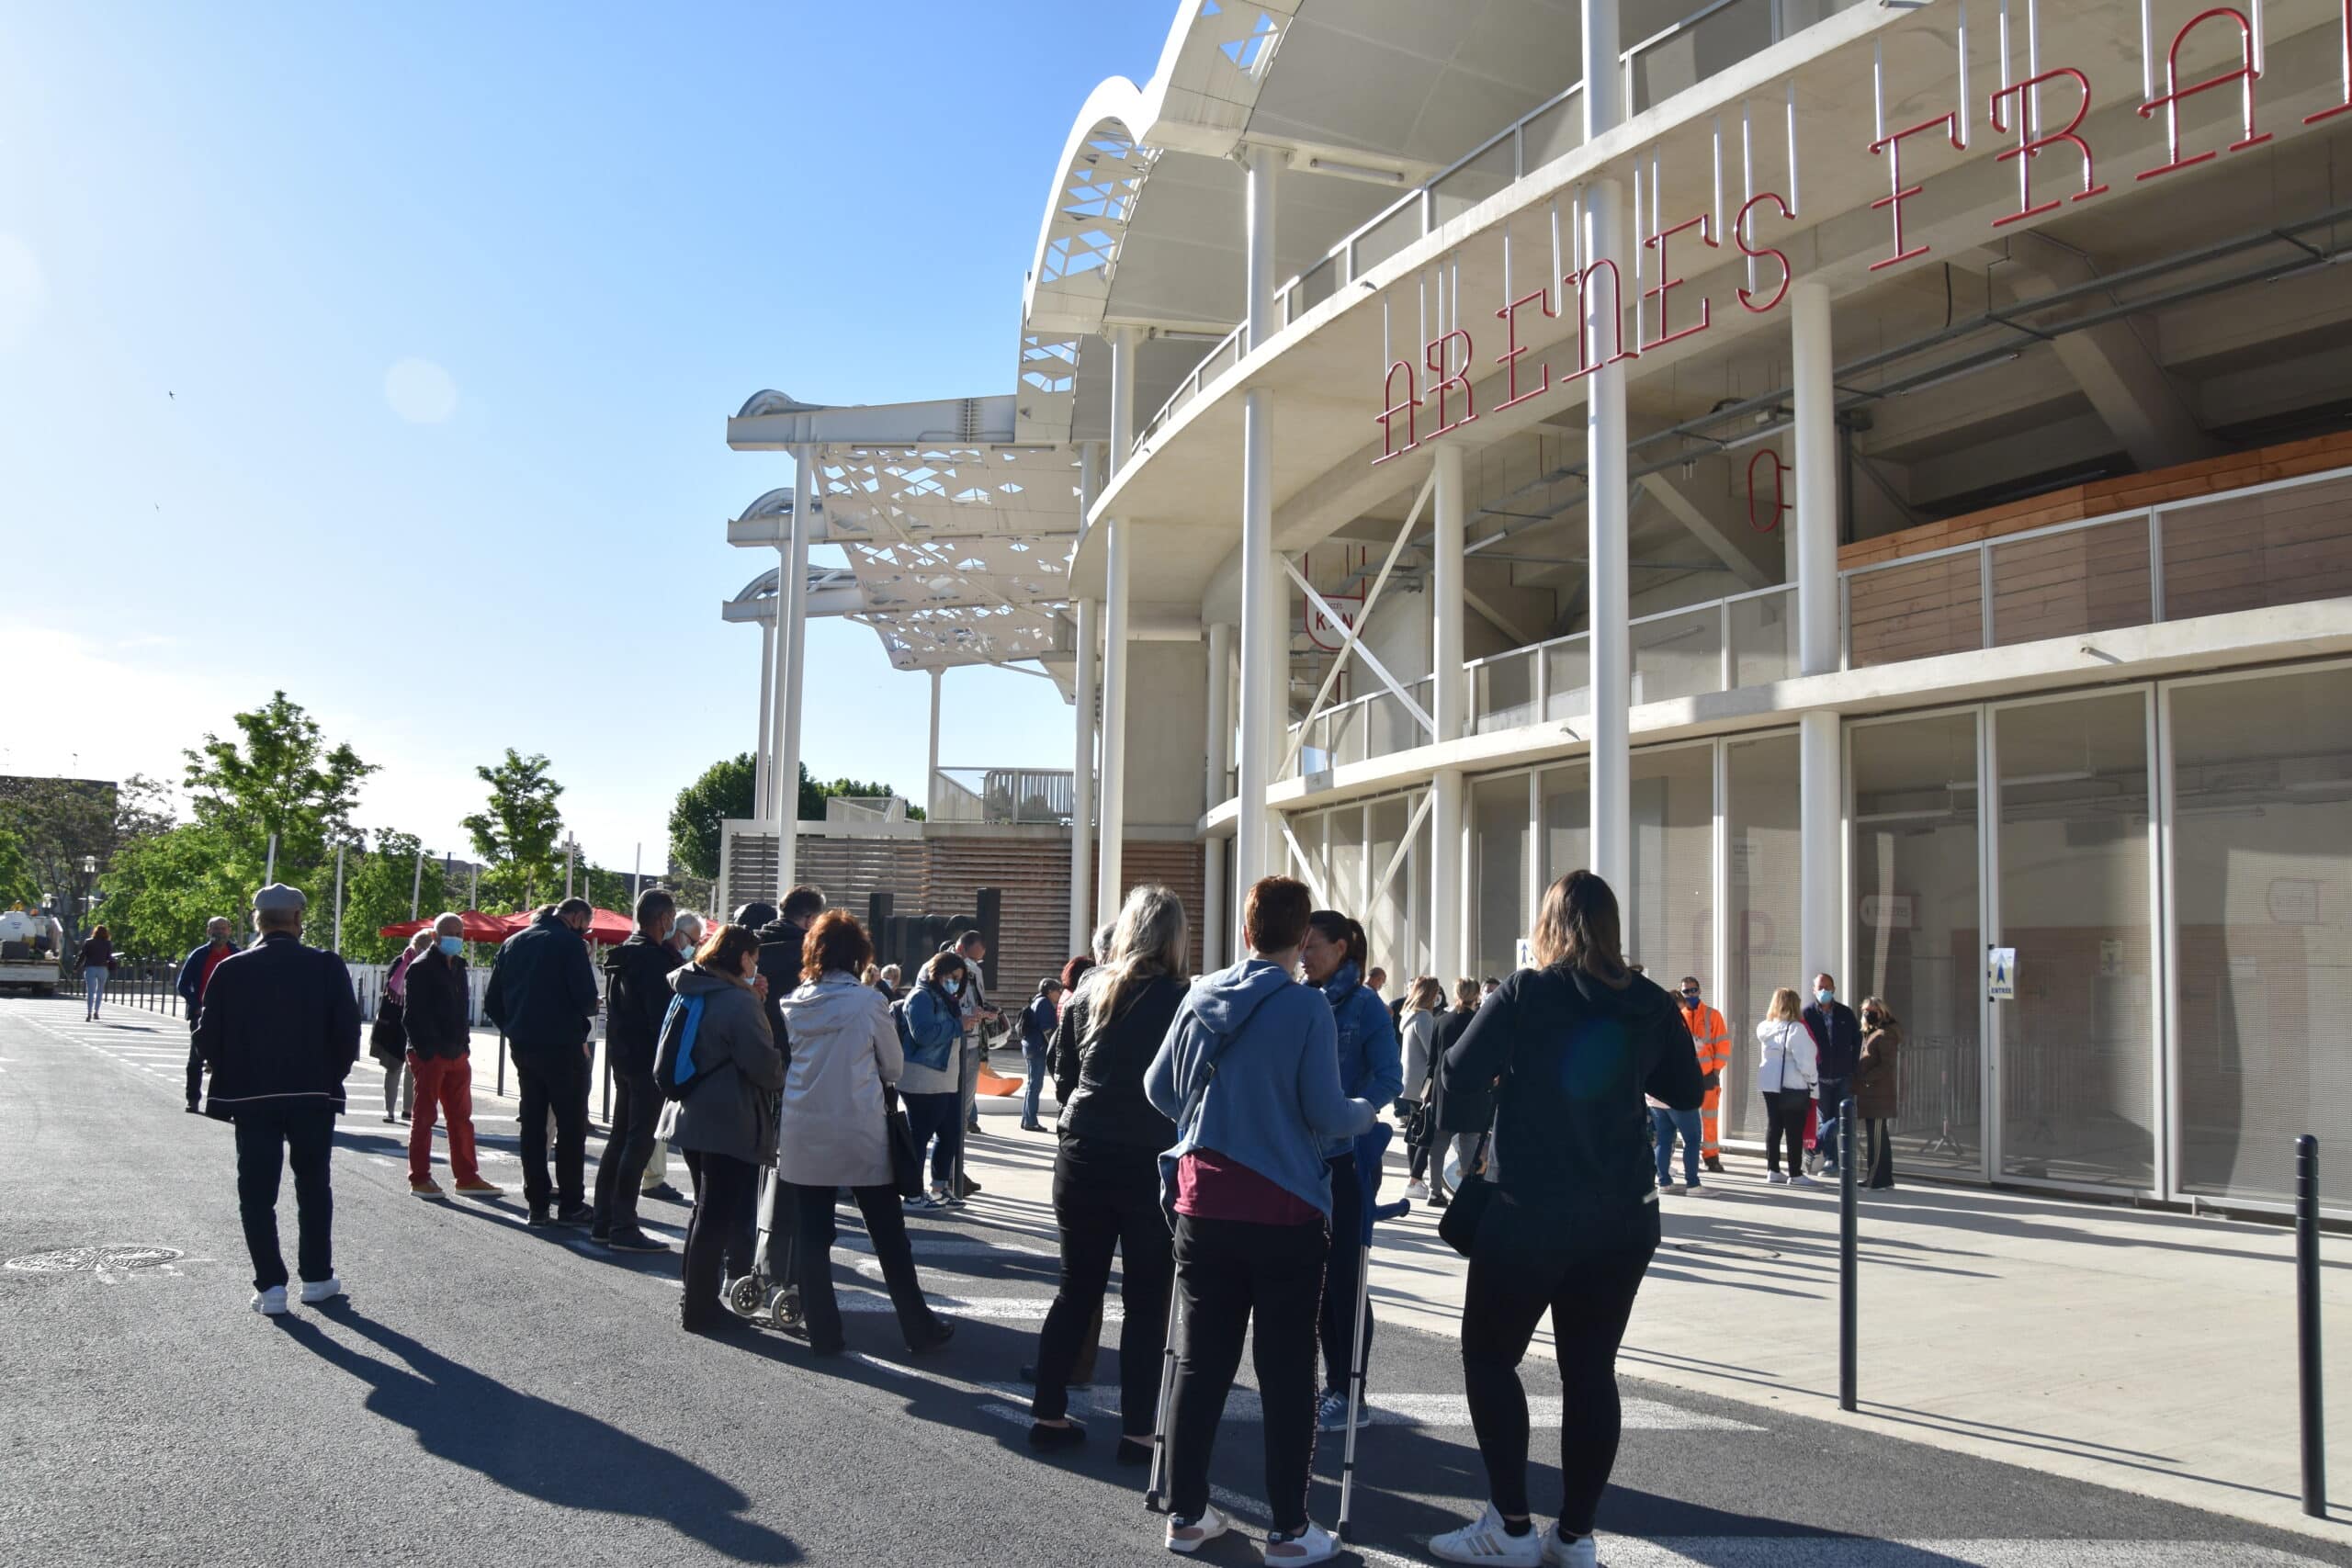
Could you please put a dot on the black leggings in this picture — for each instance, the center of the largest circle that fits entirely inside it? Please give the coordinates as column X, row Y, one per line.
column 1107, row 1198
column 886, row 1226
column 1230, row 1272
column 1784, row 1112
column 1513, row 1281
column 717, row 1243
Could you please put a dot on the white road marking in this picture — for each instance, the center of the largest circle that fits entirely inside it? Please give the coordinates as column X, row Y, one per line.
column 1242, row 1407
column 1847, row 1552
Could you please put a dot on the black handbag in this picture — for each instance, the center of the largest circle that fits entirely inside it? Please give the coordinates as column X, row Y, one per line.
column 1460, row 1226
column 906, row 1159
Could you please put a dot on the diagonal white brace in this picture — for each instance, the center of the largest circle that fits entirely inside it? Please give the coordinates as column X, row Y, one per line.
column 1397, row 547
column 1307, row 865
column 1404, row 843
column 1354, row 645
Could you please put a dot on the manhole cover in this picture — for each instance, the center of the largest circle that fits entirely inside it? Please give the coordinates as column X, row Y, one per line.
column 77, row 1260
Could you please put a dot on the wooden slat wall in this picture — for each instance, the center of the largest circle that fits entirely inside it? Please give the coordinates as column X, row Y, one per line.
column 2235, row 471
column 1032, row 926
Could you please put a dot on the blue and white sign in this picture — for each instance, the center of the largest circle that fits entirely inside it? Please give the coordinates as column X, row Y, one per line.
column 2001, row 974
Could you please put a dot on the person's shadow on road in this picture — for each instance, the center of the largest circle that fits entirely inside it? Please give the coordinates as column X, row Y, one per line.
column 540, row 1448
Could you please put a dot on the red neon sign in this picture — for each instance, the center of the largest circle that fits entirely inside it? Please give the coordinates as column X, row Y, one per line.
column 1583, row 281
column 1665, row 286
column 1740, row 230
column 1899, row 193
column 1780, row 471
column 2346, row 37
column 1439, row 357
column 1513, row 351
column 2175, row 93
column 1390, row 408
column 2030, row 145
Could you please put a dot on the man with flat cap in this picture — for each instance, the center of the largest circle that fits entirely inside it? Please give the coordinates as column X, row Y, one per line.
column 280, row 1031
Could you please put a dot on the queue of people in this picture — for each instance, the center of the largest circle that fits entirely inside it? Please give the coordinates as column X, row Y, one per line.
column 1206, row 1137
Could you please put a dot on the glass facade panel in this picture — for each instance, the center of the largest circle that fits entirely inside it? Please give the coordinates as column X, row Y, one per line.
column 1764, row 638
column 1762, row 945
column 1679, row 656
column 1567, row 678
column 2086, row 579
column 1916, row 910
column 1915, row 611
column 2262, row 880
column 1503, row 692
column 2278, row 546
column 1388, row 916
column 1343, row 859
column 1567, row 820
column 1498, row 874
column 1669, row 910
column 2078, row 1044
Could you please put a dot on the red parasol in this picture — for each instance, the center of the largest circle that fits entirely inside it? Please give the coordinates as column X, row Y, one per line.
column 479, row 926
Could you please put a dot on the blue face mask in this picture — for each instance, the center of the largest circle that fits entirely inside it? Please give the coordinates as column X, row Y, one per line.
column 451, row 946
column 1825, row 998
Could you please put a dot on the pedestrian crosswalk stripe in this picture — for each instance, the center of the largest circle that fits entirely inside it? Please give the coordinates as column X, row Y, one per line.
column 1850, row 1551
column 1241, row 1404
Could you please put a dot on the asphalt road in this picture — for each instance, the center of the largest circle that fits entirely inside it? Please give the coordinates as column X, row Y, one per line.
column 523, row 1396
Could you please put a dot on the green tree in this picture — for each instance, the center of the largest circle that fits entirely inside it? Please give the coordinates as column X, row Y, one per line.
column 161, row 888
column 377, row 894
column 516, row 836
column 814, row 793
column 16, row 883
column 65, row 825
column 724, row 792
column 279, row 776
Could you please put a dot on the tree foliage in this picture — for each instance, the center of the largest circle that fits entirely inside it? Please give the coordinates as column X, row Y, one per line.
column 278, row 776
column 516, row 836
column 18, row 884
column 61, row 824
column 377, row 894
column 725, row 790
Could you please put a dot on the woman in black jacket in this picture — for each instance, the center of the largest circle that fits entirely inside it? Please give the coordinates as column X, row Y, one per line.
column 1106, row 1178
column 1560, row 1056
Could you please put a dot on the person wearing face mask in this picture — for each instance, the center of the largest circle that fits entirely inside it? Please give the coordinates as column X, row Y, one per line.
column 726, row 1122
column 1711, row 1036
column 933, row 1021
column 542, row 995
column 439, row 1047
column 1372, row 1066
column 636, row 994
column 1838, row 1048
column 1874, row 1092
column 686, row 935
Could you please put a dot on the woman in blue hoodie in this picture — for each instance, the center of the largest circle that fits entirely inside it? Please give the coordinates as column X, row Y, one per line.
column 1249, row 1074
column 1372, row 1067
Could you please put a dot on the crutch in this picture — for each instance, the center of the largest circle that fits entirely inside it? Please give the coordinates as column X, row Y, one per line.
column 963, row 1120
column 1370, row 1148
column 1155, row 1497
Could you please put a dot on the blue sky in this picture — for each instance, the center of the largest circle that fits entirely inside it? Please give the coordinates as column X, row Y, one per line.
column 583, row 235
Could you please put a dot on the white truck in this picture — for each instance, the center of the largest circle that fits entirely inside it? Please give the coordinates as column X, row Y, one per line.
column 29, row 950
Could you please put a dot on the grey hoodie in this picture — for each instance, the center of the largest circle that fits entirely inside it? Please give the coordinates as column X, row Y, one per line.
column 1275, row 1096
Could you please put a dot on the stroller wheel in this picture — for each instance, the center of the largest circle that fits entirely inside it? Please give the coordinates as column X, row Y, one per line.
column 784, row 1306
column 745, row 1297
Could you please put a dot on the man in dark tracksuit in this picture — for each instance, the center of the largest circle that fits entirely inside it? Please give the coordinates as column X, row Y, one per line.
column 194, row 970
column 279, row 1031
column 636, row 994
column 1837, row 1049
column 542, row 996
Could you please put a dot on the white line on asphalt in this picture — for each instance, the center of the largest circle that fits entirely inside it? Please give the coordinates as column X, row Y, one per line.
column 1847, row 1552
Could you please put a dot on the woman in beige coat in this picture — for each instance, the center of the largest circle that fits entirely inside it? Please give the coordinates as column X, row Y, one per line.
column 844, row 1050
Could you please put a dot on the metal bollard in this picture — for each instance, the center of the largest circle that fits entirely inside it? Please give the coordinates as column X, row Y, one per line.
column 2307, row 1346
column 1848, row 1293
column 502, row 1064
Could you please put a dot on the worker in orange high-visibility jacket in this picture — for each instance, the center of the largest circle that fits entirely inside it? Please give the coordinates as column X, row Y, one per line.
column 1711, row 1036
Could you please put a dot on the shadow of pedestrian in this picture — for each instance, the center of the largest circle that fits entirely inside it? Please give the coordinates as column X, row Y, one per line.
column 538, row 1447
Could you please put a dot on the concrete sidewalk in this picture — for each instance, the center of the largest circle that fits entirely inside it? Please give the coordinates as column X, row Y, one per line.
column 2150, row 1352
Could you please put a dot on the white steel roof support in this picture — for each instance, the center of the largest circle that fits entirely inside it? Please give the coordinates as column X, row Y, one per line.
column 1112, row 809
column 1214, row 897
column 1609, row 496
column 1266, row 619
column 762, row 759
column 1450, row 693
column 1820, row 788
column 931, row 767
column 791, row 642
column 1081, row 824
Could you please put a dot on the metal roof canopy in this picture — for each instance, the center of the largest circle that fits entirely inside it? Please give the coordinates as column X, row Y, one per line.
column 958, row 537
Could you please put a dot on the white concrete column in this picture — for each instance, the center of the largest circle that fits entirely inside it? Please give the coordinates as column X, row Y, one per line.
column 1266, row 619
column 1113, row 810
column 1214, row 915
column 792, row 642
column 763, row 756
column 1451, row 705
column 1447, row 952
column 931, row 773
column 1607, row 486
column 1821, row 860
column 1081, row 826
column 1816, row 465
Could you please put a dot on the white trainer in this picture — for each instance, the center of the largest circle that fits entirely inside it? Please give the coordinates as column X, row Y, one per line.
column 1581, row 1553
column 1191, row 1537
column 1805, row 1181
column 1313, row 1544
column 1416, row 1191
column 1483, row 1540
column 1698, row 1189
column 317, row 1290
column 1776, row 1179
column 270, row 1303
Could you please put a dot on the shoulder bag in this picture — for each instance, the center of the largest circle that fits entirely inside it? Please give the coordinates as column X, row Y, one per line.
column 906, row 1158
column 1459, row 1227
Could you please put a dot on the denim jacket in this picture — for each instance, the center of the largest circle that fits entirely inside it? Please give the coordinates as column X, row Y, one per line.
column 1371, row 1064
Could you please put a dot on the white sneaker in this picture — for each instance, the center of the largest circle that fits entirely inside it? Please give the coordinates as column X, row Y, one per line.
column 317, row 1290
column 1581, row 1553
column 1697, row 1190
column 1805, row 1181
column 1776, row 1179
column 270, row 1303
column 1418, row 1190
column 1483, row 1540
column 1313, row 1544
column 1182, row 1537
